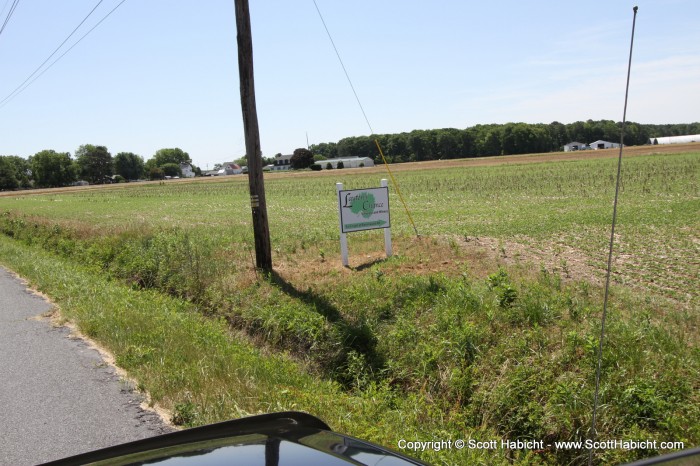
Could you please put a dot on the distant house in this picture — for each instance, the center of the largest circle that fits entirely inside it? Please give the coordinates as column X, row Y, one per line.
column 600, row 144
column 676, row 139
column 230, row 168
column 186, row 169
column 350, row 162
column 572, row 146
column 282, row 162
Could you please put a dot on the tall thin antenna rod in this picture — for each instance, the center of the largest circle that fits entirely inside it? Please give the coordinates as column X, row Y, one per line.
column 610, row 250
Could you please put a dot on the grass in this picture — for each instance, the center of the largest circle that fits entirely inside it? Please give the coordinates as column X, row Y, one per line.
column 484, row 328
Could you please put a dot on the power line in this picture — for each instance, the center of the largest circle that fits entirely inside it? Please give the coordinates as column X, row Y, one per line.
column 371, row 131
column 13, row 7
column 22, row 86
column 2, row 104
column 376, row 141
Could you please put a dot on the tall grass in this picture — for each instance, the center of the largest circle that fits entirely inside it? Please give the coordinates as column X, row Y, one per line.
column 504, row 354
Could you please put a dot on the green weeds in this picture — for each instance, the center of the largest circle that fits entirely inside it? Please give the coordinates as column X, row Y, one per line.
column 383, row 352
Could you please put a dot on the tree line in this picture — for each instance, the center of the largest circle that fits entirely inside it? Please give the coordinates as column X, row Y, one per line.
column 494, row 139
column 91, row 163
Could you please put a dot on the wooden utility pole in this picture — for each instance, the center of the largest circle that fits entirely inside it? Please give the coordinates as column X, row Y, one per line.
column 261, row 230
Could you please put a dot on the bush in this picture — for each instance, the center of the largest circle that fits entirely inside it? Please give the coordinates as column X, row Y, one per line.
column 302, row 158
column 329, row 166
column 171, row 169
column 340, row 165
column 316, row 167
column 156, row 173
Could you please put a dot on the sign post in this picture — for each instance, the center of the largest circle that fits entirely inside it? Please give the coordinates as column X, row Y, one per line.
column 363, row 209
column 387, row 230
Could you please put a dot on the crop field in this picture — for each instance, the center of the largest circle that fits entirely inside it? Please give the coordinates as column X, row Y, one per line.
column 485, row 326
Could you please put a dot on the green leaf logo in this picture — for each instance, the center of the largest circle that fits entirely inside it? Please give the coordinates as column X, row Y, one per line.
column 364, row 204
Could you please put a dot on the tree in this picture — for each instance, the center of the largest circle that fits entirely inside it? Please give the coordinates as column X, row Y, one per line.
column 175, row 155
column 94, row 162
column 129, row 165
column 8, row 180
column 171, row 169
column 51, row 169
column 302, row 158
column 155, row 173
column 21, row 168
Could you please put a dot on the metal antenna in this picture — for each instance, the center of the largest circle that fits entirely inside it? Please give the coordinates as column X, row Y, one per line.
column 610, row 251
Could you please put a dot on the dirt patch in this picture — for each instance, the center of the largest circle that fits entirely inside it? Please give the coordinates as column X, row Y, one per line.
column 450, row 255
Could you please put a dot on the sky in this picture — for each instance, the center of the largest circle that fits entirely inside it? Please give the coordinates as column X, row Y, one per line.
column 163, row 73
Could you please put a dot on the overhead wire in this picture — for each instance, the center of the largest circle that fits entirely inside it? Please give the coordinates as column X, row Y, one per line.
column 26, row 83
column 376, row 141
column 2, row 12
column 13, row 7
column 2, row 104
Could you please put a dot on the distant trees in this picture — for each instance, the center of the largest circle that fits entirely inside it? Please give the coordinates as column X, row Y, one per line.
column 15, row 168
column 493, row 139
column 171, row 169
column 176, row 155
column 8, row 180
column 94, row 163
column 155, row 173
column 51, row 169
column 301, row 158
column 129, row 165
column 164, row 162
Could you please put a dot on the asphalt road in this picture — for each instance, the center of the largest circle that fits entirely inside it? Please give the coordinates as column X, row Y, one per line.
column 57, row 396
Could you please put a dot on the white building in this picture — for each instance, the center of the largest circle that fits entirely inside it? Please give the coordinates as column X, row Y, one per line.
column 350, row 162
column 676, row 139
column 572, row 146
column 186, row 170
column 600, row 144
column 230, row 168
column 282, row 162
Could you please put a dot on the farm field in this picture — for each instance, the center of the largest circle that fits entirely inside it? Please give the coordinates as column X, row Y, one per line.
column 484, row 326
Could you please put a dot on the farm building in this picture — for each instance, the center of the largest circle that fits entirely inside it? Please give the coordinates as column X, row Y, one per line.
column 186, row 169
column 282, row 162
column 572, row 146
column 230, row 168
column 676, row 139
column 350, row 162
column 600, row 144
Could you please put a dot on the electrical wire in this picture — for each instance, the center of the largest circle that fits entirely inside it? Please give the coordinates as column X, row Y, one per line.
column 20, row 88
column 13, row 7
column 376, row 141
column 64, row 53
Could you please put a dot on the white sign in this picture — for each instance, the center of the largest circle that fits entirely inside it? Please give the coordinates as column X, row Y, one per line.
column 364, row 209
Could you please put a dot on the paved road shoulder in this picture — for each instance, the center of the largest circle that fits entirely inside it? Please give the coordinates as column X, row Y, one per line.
column 58, row 396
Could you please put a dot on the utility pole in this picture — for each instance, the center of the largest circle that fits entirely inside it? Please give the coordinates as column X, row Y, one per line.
column 261, row 229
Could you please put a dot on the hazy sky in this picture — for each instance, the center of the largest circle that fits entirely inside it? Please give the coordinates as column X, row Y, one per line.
column 163, row 73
